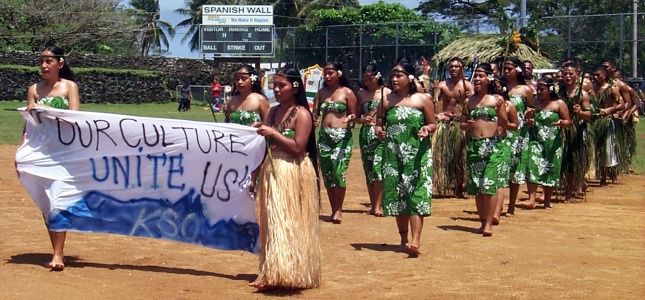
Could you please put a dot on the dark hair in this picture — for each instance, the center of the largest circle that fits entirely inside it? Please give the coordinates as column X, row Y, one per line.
column 65, row 72
column 373, row 68
column 527, row 61
column 255, row 85
column 570, row 65
column 504, row 92
column 517, row 63
column 486, row 68
column 293, row 75
column 408, row 69
column 551, row 85
column 457, row 59
column 620, row 73
column 610, row 61
column 342, row 79
column 602, row 69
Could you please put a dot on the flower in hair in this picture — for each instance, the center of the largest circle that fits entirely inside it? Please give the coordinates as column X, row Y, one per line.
column 503, row 89
column 254, row 78
column 61, row 59
column 378, row 75
column 340, row 73
column 411, row 77
column 518, row 69
column 552, row 88
column 295, row 84
column 490, row 77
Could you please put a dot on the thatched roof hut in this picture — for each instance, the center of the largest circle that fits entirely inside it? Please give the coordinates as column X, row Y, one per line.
column 493, row 47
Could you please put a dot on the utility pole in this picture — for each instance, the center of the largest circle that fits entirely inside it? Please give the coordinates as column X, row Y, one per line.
column 635, row 38
column 523, row 22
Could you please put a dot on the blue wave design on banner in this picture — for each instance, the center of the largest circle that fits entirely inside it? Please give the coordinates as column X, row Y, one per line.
column 183, row 221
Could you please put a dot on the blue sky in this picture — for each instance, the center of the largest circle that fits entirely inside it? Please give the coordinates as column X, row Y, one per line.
column 177, row 49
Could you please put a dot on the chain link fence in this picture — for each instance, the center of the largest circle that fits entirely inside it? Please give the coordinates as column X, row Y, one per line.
column 588, row 37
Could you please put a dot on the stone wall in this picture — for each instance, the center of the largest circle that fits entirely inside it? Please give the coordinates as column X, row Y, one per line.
column 102, row 78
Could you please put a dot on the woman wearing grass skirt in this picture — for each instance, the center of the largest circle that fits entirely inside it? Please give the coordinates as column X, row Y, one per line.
column 371, row 150
column 522, row 97
column 337, row 103
column 404, row 124
column 545, row 143
column 482, row 115
column 288, row 196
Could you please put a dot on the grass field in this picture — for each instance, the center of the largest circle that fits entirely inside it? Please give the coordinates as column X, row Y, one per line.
column 11, row 123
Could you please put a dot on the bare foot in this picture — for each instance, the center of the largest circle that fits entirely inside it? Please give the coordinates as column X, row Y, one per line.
column 603, row 183
column 615, row 181
column 378, row 213
column 539, row 199
column 370, row 212
column 412, row 249
column 55, row 266
column 527, row 205
column 337, row 218
column 481, row 229
column 495, row 221
column 510, row 214
column 548, row 207
column 461, row 195
column 487, row 233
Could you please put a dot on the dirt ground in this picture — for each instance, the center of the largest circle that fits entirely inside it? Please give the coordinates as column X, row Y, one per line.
column 594, row 249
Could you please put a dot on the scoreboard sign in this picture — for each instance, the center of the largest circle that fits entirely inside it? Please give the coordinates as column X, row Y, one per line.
column 237, row 30
column 237, row 40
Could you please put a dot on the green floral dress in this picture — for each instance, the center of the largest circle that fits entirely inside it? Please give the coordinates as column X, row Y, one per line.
column 519, row 140
column 485, row 158
column 334, row 148
column 407, row 164
column 545, row 149
column 371, row 147
column 245, row 117
column 55, row 102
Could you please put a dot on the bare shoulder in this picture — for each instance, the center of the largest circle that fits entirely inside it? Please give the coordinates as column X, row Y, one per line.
column 70, row 85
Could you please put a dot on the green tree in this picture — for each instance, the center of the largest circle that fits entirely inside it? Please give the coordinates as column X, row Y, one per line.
column 87, row 26
column 154, row 32
column 193, row 12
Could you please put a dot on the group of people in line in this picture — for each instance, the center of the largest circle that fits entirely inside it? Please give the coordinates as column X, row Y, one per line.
column 501, row 130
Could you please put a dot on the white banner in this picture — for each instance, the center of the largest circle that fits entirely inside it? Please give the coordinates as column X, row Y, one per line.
column 159, row 178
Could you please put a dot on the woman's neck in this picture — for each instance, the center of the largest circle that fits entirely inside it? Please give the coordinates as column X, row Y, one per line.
column 52, row 81
column 334, row 86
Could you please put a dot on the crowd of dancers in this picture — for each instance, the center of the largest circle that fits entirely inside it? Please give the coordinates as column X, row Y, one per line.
column 458, row 137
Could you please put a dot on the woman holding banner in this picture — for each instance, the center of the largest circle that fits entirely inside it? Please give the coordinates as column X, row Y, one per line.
column 337, row 103
column 288, row 197
column 248, row 103
column 59, row 90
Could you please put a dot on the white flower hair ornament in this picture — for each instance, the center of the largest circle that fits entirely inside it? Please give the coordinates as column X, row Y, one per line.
column 490, row 77
column 61, row 59
column 503, row 89
column 411, row 77
column 552, row 88
column 295, row 84
column 253, row 77
column 378, row 75
column 340, row 73
column 518, row 69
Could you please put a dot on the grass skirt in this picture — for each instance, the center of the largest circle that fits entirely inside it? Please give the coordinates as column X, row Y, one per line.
column 449, row 157
column 287, row 210
column 578, row 158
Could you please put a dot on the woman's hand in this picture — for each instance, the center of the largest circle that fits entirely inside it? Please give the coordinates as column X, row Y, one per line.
column 267, row 131
column 365, row 120
column 577, row 109
column 380, row 133
column 348, row 118
column 425, row 131
column 531, row 122
column 529, row 113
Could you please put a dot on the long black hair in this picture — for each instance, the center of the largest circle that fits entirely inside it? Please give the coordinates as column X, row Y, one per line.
column 65, row 72
column 408, row 69
column 518, row 64
column 293, row 76
column 486, row 68
column 256, row 87
column 342, row 78
column 373, row 68
column 504, row 91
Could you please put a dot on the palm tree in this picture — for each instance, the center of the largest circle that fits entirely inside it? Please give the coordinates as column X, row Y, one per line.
column 154, row 32
column 194, row 20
